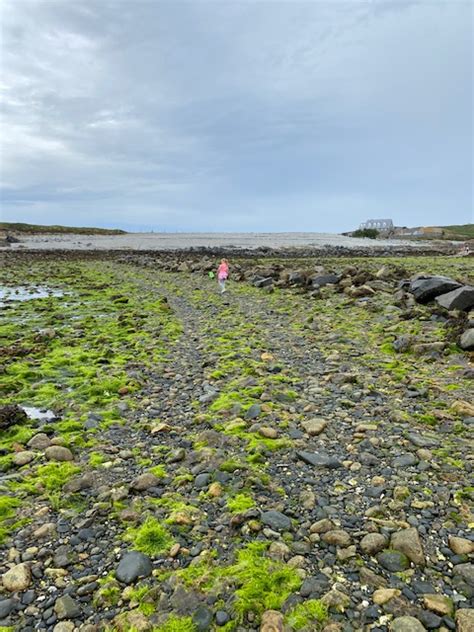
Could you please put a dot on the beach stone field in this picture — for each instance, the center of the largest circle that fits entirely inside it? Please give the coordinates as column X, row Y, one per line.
column 295, row 454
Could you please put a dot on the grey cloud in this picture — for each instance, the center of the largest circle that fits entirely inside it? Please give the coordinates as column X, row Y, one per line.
column 260, row 114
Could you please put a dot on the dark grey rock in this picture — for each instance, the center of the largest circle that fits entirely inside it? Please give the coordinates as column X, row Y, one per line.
column 202, row 618
column 405, row 460
column 276, row 520
column 324, row 279
column 222, row 617
column 466, row 341
column 6, row 606
column 263, row 282
column 466, row 572
column 393, row 561
column 318, row 459
column 462, row 298
column 426, row 289
column 66, row 608
column 132, row 566
column 421, row 441
column 429, row 619
column 202, row 480
column 253, row 412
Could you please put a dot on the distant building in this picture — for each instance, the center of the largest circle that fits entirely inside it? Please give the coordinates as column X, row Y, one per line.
column 382, row 225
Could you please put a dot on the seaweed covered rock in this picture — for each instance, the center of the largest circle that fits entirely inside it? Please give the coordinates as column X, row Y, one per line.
column 11, row 415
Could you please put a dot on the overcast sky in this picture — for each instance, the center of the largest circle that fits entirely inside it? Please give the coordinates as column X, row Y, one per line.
column 236, row 116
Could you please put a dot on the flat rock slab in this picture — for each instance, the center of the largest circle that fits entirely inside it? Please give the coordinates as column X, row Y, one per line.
column 462, row 298
column 319, row 459
column 422, row 441
column 276, row 520
column 424, row 290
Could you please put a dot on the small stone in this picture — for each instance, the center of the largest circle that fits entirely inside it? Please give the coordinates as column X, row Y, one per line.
column 336, row 600
column 314, row 427
column 382, row 595
column 307, row 499
column 222, row 618
column 321, row 526
column 400, row 492
column 6, row 606
column 202, row 618
column 460, row 546
column 347, row 553
column 278, row 550
column 39, row 441
column 405, row 460
column 272, row 621
column 318, row 459
column 268, row 433
column 253, row 412
column 64, row 626
column 215, row 490
column 369, row 578
column 45, row 531
column 466, row 341
column 365, row 427
column 58, row 453
column 202, row 480
column 132, row 566
column 144, row 482
column 175, row 549
column 23, row 457
column 408, row 542
column 406, row 624
column 17, row 578
column 337, row 537
column 393, row 561
column 373, row 543
column 438, row 603
column 66, row 608
column 276, row 520
column 465, row 620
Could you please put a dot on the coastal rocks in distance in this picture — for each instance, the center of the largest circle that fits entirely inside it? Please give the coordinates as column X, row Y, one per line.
column 426, row 288
column 462, row 298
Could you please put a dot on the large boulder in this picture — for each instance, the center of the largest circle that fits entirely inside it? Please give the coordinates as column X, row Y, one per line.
column 425, row 289
column 466, row 341
column 462, row 298
column 324, row 279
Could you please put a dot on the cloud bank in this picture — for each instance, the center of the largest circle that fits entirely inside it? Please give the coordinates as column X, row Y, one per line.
column 248, row 116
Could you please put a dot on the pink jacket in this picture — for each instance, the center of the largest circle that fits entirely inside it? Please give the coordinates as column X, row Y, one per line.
column 222, row 271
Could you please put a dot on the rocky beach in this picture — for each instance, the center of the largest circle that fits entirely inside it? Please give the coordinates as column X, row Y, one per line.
column 295, row 454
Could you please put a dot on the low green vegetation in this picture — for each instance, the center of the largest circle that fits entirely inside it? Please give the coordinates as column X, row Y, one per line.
column 307, row 615
column 18, row 227
column 151, row 537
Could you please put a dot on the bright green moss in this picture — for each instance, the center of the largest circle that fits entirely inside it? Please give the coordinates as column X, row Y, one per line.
column 152, row 538
column 240, row 503
column 311, row 614
column 177, row 624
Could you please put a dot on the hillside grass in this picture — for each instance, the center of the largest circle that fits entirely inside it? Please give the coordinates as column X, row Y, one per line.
column 18, row 227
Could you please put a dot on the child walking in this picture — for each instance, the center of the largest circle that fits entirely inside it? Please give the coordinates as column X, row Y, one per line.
column 222, row 274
